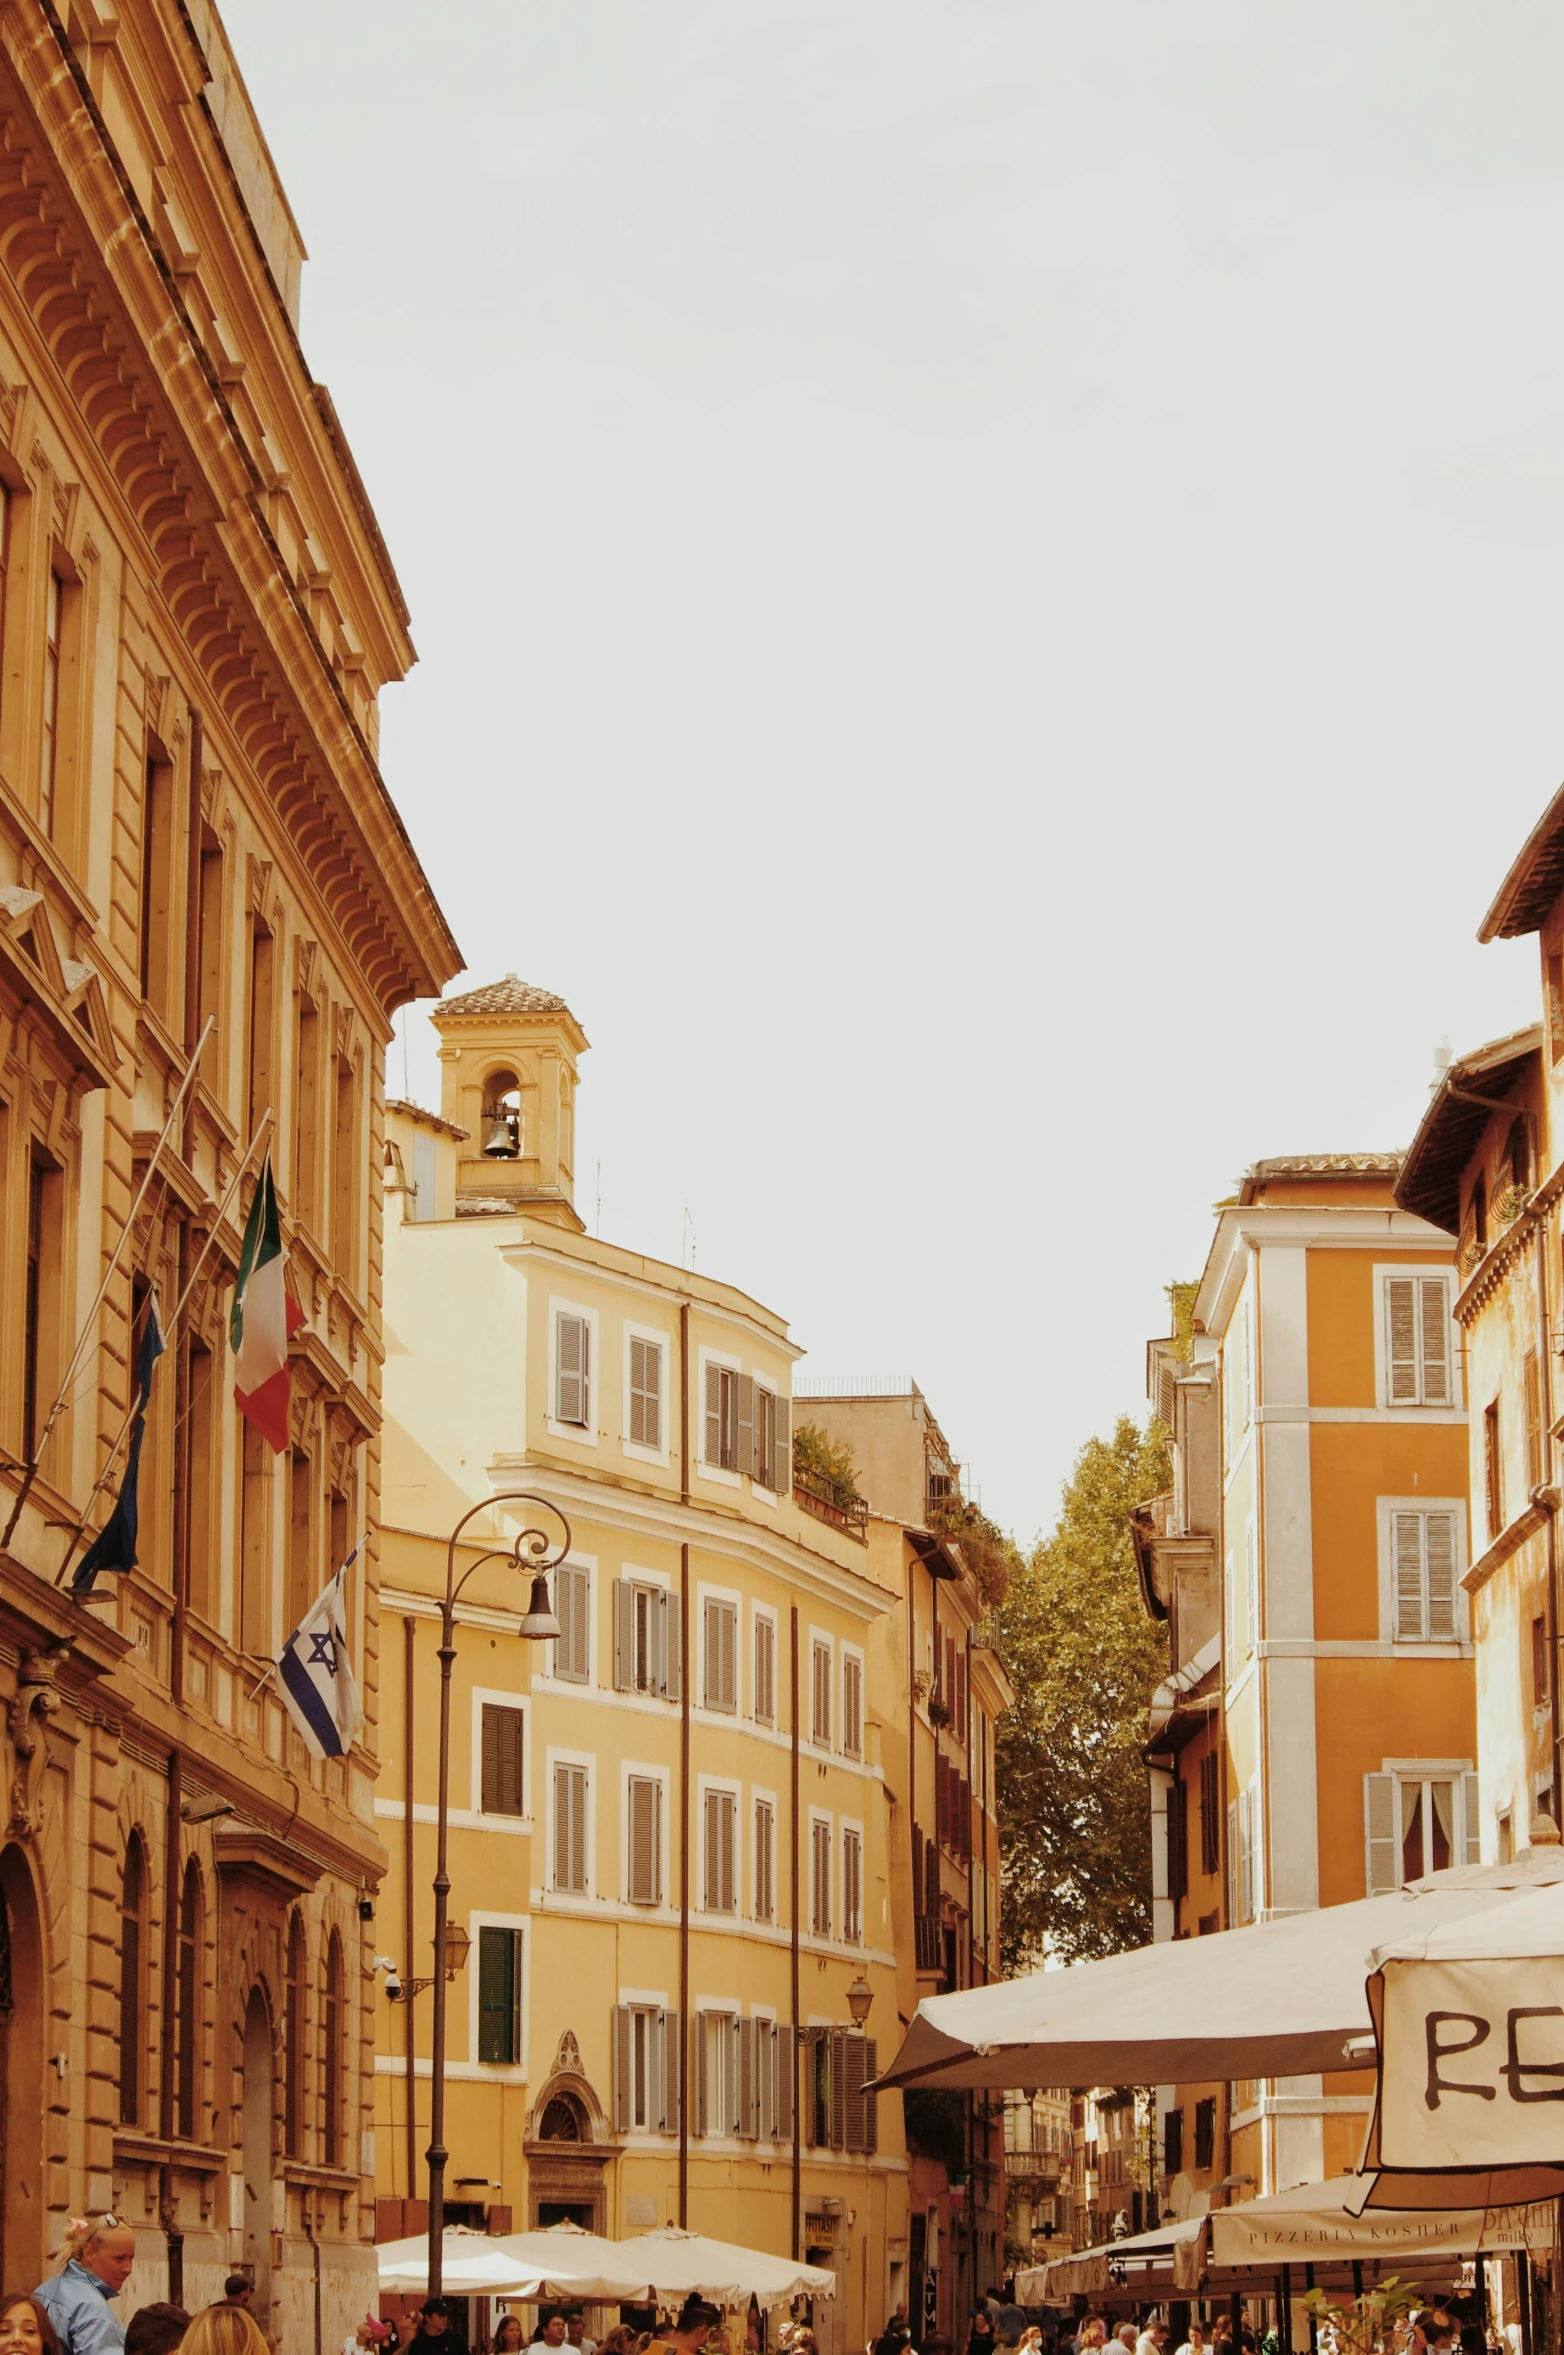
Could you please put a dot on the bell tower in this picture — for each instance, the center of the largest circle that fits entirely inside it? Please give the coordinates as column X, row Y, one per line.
column 508, row 1077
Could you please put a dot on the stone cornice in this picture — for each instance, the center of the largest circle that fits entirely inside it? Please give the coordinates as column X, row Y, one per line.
column 102, row 301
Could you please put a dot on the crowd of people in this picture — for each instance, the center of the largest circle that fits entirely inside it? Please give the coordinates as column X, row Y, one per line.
column 1458, row 2326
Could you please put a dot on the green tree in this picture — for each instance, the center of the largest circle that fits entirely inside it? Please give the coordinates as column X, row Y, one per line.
column 1075, row 1821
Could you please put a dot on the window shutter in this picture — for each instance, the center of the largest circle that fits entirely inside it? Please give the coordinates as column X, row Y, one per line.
column 966, row 1820
column 623, row 2085
column 765, row 1670
column 782, row 1480
column 671, row 1667
column 838, row 2040
column 764, row 1824
column 646, row 1389
column 672, row 2044
column 624, row 1636
column 749, row 2081
column 1471, row 1820
column 702, row 2045
column 727, row 1827
column 765, row 1452
column 496, row 1995
column 941, row 1813
column 852, row 1707
column 710, row 1827
column 787, row 2079
column 917, row 1870
column 1407, row 1553
column 728, row 1646
column 645, row 1797
column 932, row 1877
column 714, row 1414
column 1439, row 1537
column 1379, row 1817
column 1401, row 1354
column 1437, row 1387
column 959, row 1712
column 1230, row 1620
column 578, row 1828
column 573, row 1370
column 491, row 1760
column 860, row 2063
column 709, row 1630
column 571, row 1600
column 1251, row 1587
column 745, row 1438
column 1233, row 1914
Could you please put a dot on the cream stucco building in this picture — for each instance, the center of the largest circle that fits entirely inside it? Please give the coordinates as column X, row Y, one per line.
column 671, row 1827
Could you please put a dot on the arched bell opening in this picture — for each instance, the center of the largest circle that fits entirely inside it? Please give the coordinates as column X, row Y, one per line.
column 502, row 1116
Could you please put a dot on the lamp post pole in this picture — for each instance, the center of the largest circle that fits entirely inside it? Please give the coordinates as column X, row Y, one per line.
column 542, row 1553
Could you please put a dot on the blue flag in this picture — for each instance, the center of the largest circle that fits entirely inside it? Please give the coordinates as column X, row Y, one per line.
column 115, row 1546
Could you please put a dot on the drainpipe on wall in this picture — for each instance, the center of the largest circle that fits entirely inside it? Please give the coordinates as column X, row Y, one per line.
column 410, row 1901
column 798, row 2124
column 168, row 2213
column 309, row 2234
column 1548, row 1496
column 686, row 1670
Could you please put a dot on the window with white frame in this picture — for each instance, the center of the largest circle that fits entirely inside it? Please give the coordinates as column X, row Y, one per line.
column 647, row 1654
column 646, row 2069
column 820, row 1876
column 720, row 1650
column 765, row 1860
column 644, row 1839
column 1417, row 1820
column 820, row 1694
column 499, row 1995
column 852, row 1885
column 717, row 2073
column 746, row 1428
column 721, row 1842
column 1424, row 1544
column 765, row 1668
column 646, row 1393
column 1243, row 1856
column 570, row 1828
column 852, row 1705
column 1415, row 1324
column 572, row 1370
column 573, row 1610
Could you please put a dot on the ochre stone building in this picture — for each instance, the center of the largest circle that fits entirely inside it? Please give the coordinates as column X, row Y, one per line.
column 196, row 616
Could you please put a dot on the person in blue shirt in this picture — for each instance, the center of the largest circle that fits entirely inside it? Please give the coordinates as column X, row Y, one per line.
column 99, row 2253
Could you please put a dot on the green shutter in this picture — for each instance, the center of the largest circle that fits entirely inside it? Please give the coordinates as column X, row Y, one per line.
column 498, row 2010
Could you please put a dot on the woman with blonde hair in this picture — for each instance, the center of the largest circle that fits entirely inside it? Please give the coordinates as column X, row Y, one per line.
column 224, row 2329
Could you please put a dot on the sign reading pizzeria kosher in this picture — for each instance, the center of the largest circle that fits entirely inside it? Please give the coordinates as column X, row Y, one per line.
column 1471, row 2063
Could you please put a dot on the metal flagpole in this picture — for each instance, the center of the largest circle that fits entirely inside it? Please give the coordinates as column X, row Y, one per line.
column 75, row 1537
column 30, row 1472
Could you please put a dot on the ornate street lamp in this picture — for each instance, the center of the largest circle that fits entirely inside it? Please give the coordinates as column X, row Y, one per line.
column 535, row 1554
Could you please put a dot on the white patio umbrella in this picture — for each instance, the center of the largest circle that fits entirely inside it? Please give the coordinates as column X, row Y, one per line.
column 561, row 2262
column 672, row 2264
column 1471, row 2063
column 1277, row 1999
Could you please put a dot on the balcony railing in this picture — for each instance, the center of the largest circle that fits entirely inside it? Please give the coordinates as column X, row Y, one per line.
column 817, row 1495
column 928, row 1942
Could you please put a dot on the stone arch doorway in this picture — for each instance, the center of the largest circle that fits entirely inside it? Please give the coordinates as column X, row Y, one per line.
column 258, row 2100
column 22, row 2062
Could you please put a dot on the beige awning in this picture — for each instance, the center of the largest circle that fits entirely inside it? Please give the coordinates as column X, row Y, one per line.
column 1315, row 2223
column 1277, row 1999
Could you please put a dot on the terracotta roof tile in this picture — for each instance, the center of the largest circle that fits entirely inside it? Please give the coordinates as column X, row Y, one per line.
column 509, row 996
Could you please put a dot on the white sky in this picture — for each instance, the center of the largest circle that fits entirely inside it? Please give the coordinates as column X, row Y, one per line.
column 989, row 583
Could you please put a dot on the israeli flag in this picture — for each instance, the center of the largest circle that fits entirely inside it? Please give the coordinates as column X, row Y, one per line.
column 316, row 1675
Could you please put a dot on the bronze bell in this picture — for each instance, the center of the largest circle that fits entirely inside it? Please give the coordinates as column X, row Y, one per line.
column 499, row 1136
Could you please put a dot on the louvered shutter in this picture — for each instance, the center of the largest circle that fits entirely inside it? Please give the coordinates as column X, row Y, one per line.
column 702, row 2044
column 960, row 1710
column 572, row 1595
column 787, row 2080
column 1407, row 1550
column 837, row 2041
column 624, row 1636
column 496, row 1995
column 578, row 1831
column 1379, row 1819
column 709, row 1630
column 623, row 2079
column 1471, row 1820
column 919, row 1905
column 1230, row 1619
column 744, row 1437
column 932, row 1878
column 491, row 1761
column 728, row 1649
column 966, row 1820
column 645, row 1805
column 1438, row 1390
column 763, row 1454
column 710, row 1844
column 765, row 1670
column 1439, row 1538
column 672, row 2054
column 727, row 1831
column 714, row 1414
column 671, row 1667
column 1248, row 1890
column 764, row 1827
column 859, row 2063
column 1233, row 1914
column 782, row 1480
column 646, row 1384
column 573, row 1369
column 1401, row 1350
column 749, row 2081
column 941, row 1812
column 1165, row 1397
column 852, row 1707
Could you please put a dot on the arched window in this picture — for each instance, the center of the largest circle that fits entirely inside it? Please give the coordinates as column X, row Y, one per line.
column 564, row 2120
column 332, row 2052
column 187, row 2043
column 293, row 2063
column 132, row 1984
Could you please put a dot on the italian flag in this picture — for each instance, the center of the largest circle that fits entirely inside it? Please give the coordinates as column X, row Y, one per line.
column 264, row 1318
